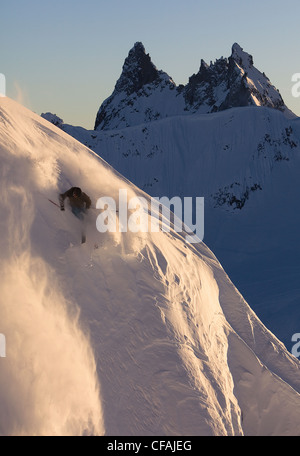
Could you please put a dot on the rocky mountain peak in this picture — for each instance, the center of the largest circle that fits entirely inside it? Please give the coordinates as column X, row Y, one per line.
column 143, row 93
column 139, row 80
column 231, row 82
column 242, row 58
column 137, row 71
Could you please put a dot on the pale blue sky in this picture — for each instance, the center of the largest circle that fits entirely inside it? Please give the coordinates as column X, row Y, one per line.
column 65, row 56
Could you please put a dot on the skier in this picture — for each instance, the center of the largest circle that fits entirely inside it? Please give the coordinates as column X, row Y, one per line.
column 79, row 202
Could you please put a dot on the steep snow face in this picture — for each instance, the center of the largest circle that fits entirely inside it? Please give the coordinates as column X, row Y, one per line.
column 245, row 162
column 143, row 93
column 143, row 335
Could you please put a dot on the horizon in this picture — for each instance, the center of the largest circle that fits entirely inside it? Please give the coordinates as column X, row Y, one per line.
column 60, row 58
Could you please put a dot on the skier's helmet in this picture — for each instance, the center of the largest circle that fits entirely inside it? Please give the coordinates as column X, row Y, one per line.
column 77, row 192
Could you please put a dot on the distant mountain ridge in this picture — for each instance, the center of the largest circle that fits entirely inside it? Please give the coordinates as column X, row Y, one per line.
column 143, row 93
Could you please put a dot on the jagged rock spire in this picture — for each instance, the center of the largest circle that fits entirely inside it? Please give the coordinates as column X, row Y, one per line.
column 138, row 70
column 231, row 82
column 241, row 57
column 139, row 78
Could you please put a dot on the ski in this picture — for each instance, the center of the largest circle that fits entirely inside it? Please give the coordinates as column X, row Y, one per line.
column 53, row 202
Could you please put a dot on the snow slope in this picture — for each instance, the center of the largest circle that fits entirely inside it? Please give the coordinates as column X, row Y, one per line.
column 144, row 335
column 246, row 163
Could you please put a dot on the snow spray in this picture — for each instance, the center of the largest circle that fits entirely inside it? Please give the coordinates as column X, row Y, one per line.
column 48, row 378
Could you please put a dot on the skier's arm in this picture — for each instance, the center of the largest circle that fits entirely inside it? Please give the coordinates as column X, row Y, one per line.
column 87, row 200
column 63, row 196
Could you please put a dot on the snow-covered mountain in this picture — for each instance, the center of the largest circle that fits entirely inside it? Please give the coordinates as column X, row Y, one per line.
column 143, row 93
column 143, row 335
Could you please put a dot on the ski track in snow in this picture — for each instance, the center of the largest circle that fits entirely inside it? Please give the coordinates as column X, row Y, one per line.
column 144, row 335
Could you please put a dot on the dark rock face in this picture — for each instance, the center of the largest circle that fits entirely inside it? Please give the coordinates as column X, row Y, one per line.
column 138, row 70
column 139, row 80
column 200, row 88
column 232, row 82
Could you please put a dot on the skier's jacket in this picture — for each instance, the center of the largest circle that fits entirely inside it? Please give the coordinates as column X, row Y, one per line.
column 81, row 202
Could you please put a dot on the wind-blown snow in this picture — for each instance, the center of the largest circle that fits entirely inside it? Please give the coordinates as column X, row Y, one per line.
column 144, row 335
